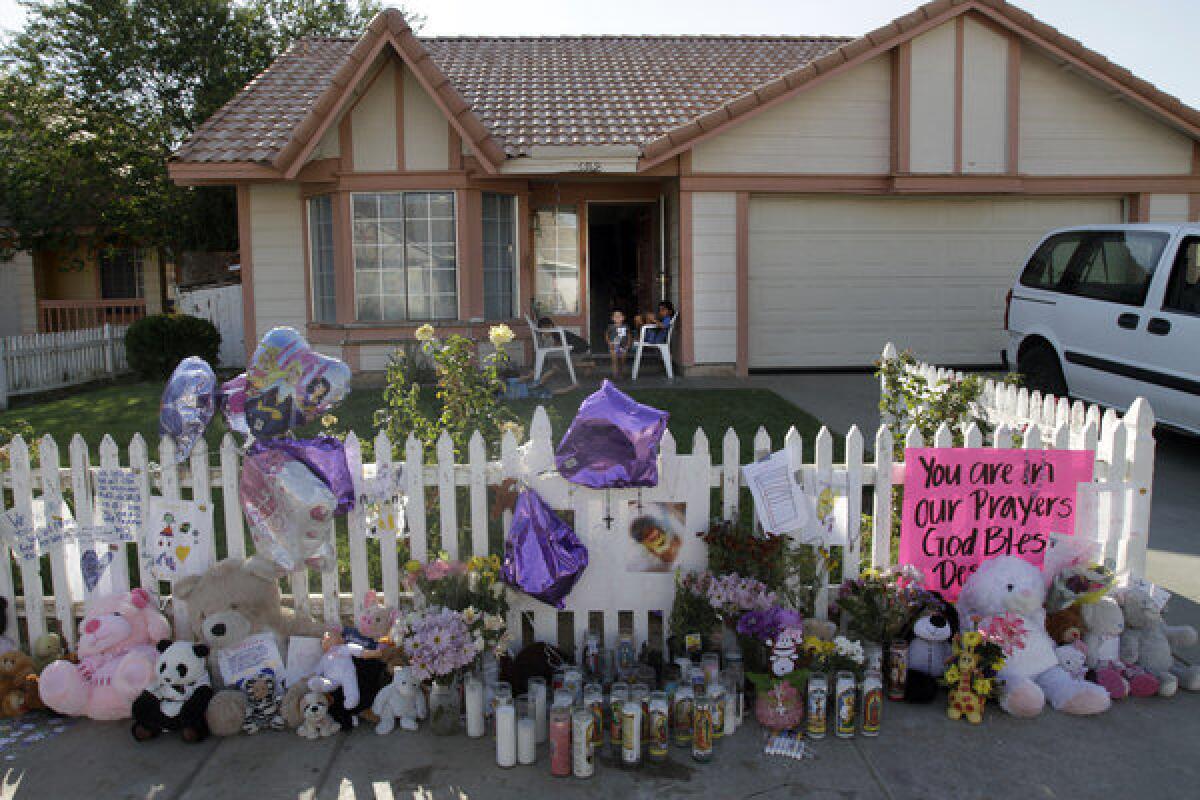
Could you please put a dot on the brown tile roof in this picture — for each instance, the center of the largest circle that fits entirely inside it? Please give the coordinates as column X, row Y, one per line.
column 527, row 91
column 660, row 93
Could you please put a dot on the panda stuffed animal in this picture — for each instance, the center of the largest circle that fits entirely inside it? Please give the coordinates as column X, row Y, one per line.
column 179, row 698
column 929, row 648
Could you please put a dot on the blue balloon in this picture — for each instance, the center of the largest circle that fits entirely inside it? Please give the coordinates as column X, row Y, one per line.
column 188, row 402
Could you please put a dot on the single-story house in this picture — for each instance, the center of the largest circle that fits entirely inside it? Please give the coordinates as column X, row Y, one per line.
column 801, row 199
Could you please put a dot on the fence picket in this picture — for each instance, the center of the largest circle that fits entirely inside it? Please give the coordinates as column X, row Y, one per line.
column 477, row 458
column 66, row 582
column 414, row 474
column 388, row 550
column 881, row 511
column 854, row 484
column 357, row 545
column 447, row 497
column 731, row 470
column 762, row 449
column 31, row 579
column 139, row 462
column 823, row 463
column 235, row 534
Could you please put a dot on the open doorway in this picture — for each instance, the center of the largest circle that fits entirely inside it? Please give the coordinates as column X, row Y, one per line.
column 623, row 263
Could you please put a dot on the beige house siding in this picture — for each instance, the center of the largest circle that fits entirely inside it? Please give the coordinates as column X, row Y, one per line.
column 713, row 308
column 152, row 282
column 374, row 124
column 839, row 126
column 985, row 99
column 426, row 132
column 18, row 298
column 277, row 245
column 329, row 146
column 1168, row 208
column 932, row 101
column 1070, row 126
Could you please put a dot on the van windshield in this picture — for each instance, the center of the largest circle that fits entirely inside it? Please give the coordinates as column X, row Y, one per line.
column 1114, row 266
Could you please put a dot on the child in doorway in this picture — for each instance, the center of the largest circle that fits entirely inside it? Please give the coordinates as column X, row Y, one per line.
column 661, row 322
column 617, row 337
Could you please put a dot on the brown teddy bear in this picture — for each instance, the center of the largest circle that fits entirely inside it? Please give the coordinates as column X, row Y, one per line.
column 1066, row 626
column 18, row 685
column 234, row 599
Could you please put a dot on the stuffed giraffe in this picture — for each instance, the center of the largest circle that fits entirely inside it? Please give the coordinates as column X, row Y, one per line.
column 969, row 687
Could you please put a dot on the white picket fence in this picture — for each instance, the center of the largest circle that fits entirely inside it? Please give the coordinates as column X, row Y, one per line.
column 609, row 597
column 39, row 362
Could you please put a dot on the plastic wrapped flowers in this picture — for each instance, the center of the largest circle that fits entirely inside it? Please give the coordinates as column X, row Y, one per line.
column 438, row 643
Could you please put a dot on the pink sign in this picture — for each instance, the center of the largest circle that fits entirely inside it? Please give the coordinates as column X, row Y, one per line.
column 963, row 506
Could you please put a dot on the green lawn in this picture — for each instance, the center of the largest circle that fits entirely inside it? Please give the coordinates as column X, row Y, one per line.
column 128, row 408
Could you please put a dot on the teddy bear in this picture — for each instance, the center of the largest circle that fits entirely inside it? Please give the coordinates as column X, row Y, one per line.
column 1073, row 659
column 401, row 700
column 1066, row 625
column 929, row 648
column 232, row 600
column 1150, row 643
column 263, row 710
column 316, row 723
column 1103, row 626
column 48, row 648
column 1006, row 593
column 179, row 698
column 116, row 658
column 375, row 621
column 18, row 684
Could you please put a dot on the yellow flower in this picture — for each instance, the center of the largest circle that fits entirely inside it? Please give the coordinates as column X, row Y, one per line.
column 329, row 420
column 412, row 565
column 494, row 561
column 972, row 639
column 500, row 335
column 425, row 333
column 951, row 674
column 982, row 686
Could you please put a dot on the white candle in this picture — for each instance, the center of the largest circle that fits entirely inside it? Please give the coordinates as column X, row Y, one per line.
column 537, row 693
column 526, row 741
column 474, row 699
column 506, row 736
column 731, row 713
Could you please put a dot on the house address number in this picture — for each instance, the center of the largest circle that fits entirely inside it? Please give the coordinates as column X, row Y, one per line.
column 588, row 166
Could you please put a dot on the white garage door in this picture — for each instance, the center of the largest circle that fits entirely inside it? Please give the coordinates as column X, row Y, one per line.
column 832, row 279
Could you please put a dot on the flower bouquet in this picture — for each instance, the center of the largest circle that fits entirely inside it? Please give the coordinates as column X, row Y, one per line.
column 705, row 601
column 437, row 644
column 779, row 694
column 878, row 606
column 470, row 587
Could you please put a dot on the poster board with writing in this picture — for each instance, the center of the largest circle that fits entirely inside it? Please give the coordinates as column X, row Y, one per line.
column 963, row 506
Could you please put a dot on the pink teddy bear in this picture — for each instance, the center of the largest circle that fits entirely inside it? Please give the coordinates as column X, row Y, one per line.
column 116, row 658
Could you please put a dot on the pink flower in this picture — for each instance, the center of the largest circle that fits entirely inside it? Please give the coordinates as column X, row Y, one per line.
column 436, row 570
column 1006, row 630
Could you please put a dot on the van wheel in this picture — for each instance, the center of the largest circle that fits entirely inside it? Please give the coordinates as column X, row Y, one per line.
column 1040, row 369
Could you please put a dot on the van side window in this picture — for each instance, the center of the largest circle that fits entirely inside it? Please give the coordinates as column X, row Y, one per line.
column 1118, row 266
column 1183, row 293
column 1046, row 268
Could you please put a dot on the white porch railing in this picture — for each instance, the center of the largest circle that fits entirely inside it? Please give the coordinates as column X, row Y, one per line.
column 39, row 362
column 609, row 595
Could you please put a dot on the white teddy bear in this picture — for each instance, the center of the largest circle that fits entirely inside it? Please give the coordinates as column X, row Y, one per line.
column 401, row 700
column 1011, row 588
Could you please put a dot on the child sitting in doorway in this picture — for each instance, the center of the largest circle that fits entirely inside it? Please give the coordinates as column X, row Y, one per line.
column 661, row 322
column 617, row 336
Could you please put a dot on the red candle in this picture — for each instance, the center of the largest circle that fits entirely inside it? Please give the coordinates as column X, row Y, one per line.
column 560, row 742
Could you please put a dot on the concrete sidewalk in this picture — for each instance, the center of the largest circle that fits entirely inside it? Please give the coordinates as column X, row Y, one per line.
column 920, row 754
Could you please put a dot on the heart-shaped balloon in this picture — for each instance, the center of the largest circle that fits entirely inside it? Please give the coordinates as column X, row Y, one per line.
column 282, row 498
column 92, row 565
column 289, row 384
column 232, row 399
column 188, row 403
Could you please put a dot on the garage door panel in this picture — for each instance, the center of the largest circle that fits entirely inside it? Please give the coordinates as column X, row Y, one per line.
column 832, row 279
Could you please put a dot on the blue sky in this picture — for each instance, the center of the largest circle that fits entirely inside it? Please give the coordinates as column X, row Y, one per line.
column 1155, row 39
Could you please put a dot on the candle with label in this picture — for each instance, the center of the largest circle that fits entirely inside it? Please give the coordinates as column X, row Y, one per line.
column 506, row 732
column 560, row 741
column 537, row 693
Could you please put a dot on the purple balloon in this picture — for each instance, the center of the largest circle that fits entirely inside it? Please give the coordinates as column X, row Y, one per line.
column 542, row 555
column 325, row 456
column 232, row 399
column 188, row 404
column 612, row 442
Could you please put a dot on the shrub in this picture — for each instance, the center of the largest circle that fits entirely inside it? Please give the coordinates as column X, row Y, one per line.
column 156, row 344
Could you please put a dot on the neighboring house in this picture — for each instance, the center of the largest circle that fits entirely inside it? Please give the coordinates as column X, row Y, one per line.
column 801, row 199
column 47, row 290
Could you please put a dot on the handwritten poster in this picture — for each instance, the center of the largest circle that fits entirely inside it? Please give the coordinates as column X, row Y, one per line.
column 790, row 500
column 963, row 506
column 30, row 535
column 118, row 500
column 255, row 654
column 179, row 538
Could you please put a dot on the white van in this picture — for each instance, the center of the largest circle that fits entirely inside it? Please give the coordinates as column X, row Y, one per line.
column 1106, row 313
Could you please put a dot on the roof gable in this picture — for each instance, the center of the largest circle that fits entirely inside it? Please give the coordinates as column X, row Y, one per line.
column 906, row 28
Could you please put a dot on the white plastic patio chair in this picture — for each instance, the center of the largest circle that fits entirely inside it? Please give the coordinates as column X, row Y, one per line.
column 541, row 350
column 664, row 348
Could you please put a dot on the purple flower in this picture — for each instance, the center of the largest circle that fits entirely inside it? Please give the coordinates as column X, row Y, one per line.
column 767, row 623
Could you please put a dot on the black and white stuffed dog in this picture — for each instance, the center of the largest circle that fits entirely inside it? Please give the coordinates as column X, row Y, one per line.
column 179, row 698
column 929, row 649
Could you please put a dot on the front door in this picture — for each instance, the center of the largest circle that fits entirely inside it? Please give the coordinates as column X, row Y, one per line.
column 623, row 263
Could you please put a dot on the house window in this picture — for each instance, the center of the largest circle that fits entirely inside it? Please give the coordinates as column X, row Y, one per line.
column 405, row 256
column 122, row 273
column 320, row 256
column 499, row 254
column 557, row 248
